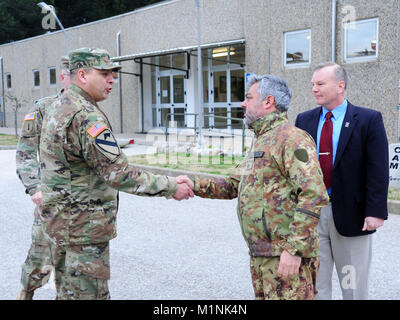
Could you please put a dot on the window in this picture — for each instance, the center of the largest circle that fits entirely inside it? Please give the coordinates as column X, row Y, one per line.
column 223, row 86
column 52, row 76
column 297, row 48
column 361, row 40
column 115, row 75
column 168, row 82
column 36, row 78
column 8, row 81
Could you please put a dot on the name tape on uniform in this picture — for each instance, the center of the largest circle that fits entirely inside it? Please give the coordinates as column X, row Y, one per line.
column 96, row 129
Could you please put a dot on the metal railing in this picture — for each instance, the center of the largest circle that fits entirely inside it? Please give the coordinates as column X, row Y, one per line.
column 197, row 128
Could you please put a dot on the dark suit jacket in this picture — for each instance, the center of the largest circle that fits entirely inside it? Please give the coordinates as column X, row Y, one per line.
column 360, row 176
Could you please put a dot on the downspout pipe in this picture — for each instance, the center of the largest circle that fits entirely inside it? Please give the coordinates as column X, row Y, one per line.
column 3, row 102
column 118, row 40
column 333, row 58
column 142, row 94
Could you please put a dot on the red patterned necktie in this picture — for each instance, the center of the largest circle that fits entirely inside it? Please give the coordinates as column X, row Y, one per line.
column 326, row 151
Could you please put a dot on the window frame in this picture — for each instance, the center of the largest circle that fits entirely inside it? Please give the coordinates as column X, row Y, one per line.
column 360, row 59
column 299, row 64
column 55, row 77
column 211, row 105
column 33, row 73
column 8, row 87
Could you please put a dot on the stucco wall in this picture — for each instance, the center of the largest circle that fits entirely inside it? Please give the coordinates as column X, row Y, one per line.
column 262, row 23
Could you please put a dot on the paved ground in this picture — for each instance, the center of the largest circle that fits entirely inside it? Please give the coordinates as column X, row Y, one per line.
column 170, row 250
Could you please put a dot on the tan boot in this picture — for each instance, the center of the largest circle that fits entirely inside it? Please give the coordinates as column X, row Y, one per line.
column 25, row 295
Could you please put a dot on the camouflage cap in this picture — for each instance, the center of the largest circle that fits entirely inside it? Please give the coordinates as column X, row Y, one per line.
column 91, row 58
column 65, row 62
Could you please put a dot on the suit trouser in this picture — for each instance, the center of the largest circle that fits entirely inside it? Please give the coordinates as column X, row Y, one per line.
column 351, row 256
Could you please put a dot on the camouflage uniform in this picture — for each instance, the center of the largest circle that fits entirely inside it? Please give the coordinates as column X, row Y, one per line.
column 82, row 170
column 280, row 192
column 37, row 267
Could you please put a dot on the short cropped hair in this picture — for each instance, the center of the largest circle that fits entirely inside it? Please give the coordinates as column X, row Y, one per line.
column 340, row 72
column 274, row 86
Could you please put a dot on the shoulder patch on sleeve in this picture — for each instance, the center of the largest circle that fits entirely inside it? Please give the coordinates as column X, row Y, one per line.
column 108, row 145
column 301, row 154
column 30, row 116
column 96, row 129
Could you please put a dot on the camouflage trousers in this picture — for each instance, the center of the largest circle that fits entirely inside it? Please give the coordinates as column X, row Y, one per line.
column 82, row 272
column 37, row 267
column 268, row 285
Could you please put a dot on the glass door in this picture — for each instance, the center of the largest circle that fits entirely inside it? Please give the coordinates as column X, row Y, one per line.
column 169, row 91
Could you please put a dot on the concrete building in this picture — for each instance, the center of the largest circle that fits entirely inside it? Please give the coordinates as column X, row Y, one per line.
column 157, row 47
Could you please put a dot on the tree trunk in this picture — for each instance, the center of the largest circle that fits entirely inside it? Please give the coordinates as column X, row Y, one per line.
column 16, row 122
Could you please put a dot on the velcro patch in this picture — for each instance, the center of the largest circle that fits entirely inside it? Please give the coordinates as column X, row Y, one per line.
column 30, row 116
column 96, row 129
column 108, row 145
column 257, row 154
column 301, row 154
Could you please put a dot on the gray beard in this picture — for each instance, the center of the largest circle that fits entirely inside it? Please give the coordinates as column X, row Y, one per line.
column 250, row 118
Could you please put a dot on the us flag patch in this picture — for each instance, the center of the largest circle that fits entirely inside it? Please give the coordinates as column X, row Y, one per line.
column 29, row 116
column 96, row 129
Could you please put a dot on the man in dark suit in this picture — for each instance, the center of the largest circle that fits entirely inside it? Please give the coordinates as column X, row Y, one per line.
column 353, row 152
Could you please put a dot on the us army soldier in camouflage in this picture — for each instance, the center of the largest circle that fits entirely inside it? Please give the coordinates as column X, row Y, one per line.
column 280, row 192
column 37, row 267
column 82, row 170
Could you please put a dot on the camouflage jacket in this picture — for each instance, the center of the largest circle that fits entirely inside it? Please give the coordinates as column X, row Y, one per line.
column 82, row 167
column 27, row 153
column 280, row 190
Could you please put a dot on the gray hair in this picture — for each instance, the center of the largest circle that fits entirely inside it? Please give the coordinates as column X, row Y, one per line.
column 274, row 86
column 340, row 72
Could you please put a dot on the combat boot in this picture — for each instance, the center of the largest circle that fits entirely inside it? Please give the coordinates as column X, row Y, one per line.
column 25, row 295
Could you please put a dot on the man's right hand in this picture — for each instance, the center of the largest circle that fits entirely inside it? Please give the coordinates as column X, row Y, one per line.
column 185, row 179
column 37, row 198
column 184, row 192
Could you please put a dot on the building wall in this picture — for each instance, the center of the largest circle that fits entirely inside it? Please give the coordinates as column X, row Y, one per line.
column 372, row 84
column 173, row 24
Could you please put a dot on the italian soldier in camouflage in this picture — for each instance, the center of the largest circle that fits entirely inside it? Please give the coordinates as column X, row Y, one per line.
column 37, row 267
column 280, row 193
column 82, row 170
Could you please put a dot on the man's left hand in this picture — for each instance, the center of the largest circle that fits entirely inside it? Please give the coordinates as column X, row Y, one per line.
column 372, row 223
column 289, row 265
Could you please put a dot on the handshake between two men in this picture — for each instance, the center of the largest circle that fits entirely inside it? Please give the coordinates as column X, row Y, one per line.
column 185, row 188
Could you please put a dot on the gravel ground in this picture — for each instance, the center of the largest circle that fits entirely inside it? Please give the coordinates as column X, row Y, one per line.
column 170, row 250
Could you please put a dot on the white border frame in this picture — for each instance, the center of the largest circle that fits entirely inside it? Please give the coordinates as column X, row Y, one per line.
column 300, row 64
column 360, row 59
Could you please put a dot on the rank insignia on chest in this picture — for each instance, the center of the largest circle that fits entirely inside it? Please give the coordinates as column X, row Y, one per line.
column 96, row 129
column 29, row 116
column 107, row 144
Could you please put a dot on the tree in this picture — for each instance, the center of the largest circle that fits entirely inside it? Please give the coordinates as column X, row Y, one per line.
column 20, row 19
column 16, row 105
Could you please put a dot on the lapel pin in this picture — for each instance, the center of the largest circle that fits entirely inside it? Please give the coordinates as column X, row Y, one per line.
column 347, row 124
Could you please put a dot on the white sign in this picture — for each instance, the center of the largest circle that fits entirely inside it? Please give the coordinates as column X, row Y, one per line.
column 394, row 165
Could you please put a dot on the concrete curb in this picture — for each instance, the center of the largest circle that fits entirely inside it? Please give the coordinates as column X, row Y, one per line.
column 8, row 147
column 175, row 172
column 393, row 205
